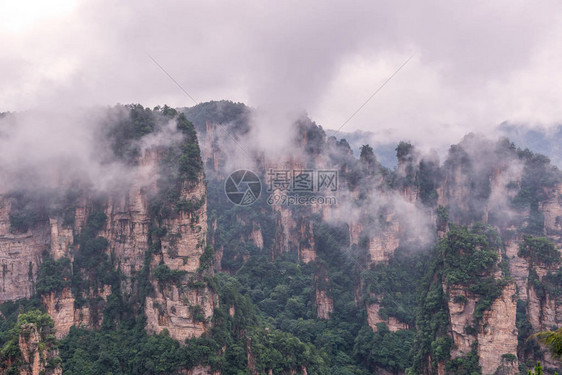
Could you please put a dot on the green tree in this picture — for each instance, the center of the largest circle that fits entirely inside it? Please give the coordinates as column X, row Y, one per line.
column 552, row 340
column 537, row 370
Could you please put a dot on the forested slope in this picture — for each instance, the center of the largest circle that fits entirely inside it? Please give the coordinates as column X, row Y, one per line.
column 434, row 267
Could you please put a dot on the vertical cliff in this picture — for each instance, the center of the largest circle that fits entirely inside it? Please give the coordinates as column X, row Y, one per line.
column 20, row 254
column 36, row 355
column 518, row 193
column 497, row 337
column 183, row 304
column 429, row 268
column 477, row 319
column 30, row 347
column 142, row 243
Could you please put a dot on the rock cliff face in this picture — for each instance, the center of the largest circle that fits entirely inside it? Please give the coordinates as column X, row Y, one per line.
column 36, row 356
column 184, row 310
column 257, row 236
column 324, row 304
column 61, row 306
column 460, row 316
column 323, row 300
column 20, row 256
column 294, row 234
column 61, row 239
column 386, row 240
column 127, row 231
column 199, row 370
column 497, row 335
column 544, row 310
column 551, row 208
column 493, row 336
column 477, row 183
column 186, row 235
column 518, row 268
column 373, row 318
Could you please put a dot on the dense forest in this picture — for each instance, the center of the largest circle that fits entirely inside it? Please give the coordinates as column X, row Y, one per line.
column 353, row 307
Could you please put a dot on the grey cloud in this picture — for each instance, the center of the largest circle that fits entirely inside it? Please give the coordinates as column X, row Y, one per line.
column 472, row 67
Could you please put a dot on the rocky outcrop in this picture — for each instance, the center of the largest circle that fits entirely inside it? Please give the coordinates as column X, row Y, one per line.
column 477, row 183
column 128, row 220
column 355, row 231
column 410, row 194
column 184, row 311
column 199, row 370
column 211, row 152
column 294, row 234
column 186, row 235
column 455, row 189
column 284, row 226
column 497, row 337
column 307, row 252
column 20, row 255
column 127, row 230
column 61, row 306
column 324, row 304
column 61, row 239
column 186, row 307
column 256, row 236
column 551, row 208
column 495, row 334
column 518, row 268
column 386, row 240
column 250, row 357
column 37, row 355
column 461, row 306
column 543, row 312
column 373, row 318
column 323, row 300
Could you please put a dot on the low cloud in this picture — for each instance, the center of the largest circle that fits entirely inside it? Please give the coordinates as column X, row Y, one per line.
column 41, row 150
column 474, row 65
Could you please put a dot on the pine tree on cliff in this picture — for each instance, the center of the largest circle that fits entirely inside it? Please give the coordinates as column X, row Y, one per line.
column 538, row 370
column 553, row 340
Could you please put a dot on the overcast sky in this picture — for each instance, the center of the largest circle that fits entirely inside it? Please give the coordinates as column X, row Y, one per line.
column 474, row 65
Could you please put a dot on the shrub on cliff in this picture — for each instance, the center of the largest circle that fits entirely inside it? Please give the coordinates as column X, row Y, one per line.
column 53, row 276
column 538, row 250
